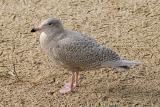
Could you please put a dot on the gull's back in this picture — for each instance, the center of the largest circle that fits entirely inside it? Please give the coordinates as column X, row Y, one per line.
column 76, row 50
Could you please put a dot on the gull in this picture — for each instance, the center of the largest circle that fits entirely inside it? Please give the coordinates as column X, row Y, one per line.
column 76, row 52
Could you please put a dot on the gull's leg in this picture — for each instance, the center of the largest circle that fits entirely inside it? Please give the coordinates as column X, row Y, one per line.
column 76, row 78
column 72, row 81
column 68, row 87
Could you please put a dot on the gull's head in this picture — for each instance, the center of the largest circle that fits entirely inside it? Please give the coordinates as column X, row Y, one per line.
column 50, row 24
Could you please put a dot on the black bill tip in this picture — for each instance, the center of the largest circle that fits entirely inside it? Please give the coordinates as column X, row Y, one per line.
column 33, row 30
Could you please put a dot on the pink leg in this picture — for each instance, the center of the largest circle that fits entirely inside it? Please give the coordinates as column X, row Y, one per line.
column 76, row 78
column 68, row 87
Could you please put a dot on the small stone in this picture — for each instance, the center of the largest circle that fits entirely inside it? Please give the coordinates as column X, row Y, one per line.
column 104, row 98
column 51, row 93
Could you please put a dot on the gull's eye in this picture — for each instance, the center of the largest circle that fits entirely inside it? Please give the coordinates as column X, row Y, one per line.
column 50, row 23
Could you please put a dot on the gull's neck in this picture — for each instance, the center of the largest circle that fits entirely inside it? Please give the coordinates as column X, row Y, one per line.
column 49, row 37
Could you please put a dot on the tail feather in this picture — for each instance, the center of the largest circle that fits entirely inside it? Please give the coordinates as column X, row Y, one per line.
column 124, row 67
column 125, row 64
column 130, row 63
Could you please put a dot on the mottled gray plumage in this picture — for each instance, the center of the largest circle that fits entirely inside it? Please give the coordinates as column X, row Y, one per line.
column 82, row 52
column 75, row 50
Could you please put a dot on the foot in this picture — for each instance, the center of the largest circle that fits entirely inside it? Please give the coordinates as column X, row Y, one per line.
column 67, row 88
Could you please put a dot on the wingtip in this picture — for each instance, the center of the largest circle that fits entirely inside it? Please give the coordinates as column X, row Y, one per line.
column 139, row 62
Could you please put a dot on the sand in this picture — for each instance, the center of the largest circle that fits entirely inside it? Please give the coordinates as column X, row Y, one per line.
column 130, row 27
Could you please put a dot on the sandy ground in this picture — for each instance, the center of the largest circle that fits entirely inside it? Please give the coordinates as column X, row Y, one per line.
column 130, row 27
